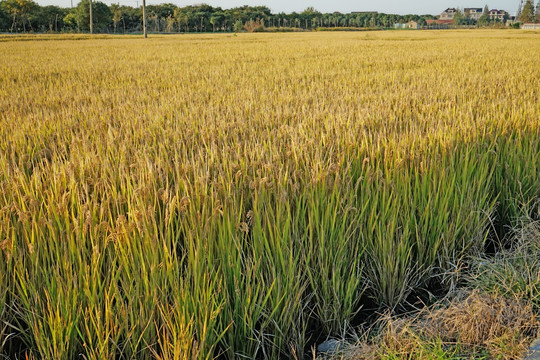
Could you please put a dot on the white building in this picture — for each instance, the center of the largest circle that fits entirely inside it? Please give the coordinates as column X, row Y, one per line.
column 531, row 26
column 495, row 14
column 474, row 13
column 448, row 14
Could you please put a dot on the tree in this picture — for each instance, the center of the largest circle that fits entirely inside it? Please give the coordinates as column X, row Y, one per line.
column 459, row 18
column 4, row 18
column 161, row 15
column 19, row 11
column 117, row 15
column 538, row 12
column 527, row 14
column 129, row 18
column 26, row 15
column 70, row 22
column 463, row 18
column 102, row 16
column 308, row 15
column 217, row 19
column 181, row 17
column 48, row 18
column 484, row 19
column 238, row 26
column 201, row 17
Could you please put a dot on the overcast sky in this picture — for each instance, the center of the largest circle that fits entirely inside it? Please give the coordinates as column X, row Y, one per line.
column 345, row 6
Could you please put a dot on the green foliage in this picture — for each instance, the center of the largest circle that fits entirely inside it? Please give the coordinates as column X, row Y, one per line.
column 333, row 255
column 70, row 21
column 20, row 12
column 101, row 14
column 528, row 12
column 432, row 349
column 238, row 26
column 413, row 208
column 4, row 18
column 460, row 18
column 217, row 19
column 49, row 19
column 484, row 20
column 127, row 18
column 192, row 18
column 516, row 180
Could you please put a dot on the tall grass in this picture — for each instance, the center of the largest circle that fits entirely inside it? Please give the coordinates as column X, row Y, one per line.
column 424, row 217
column 517, row 181
column 202, row 196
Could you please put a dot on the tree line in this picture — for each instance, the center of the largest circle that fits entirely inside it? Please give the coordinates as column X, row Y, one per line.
column 28, row 16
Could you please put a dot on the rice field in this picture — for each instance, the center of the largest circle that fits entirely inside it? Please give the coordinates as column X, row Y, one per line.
column 244, row 196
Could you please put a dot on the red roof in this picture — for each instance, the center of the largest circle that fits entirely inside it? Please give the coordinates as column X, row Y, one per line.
column 440, row 22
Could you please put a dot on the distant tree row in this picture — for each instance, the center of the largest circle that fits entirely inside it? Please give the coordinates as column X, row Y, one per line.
column 28, row 16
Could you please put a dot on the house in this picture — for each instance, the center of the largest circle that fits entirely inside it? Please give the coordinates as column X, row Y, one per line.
column 400, row 26
column 413, row 25
column 448, row 14
column 499, row 15
column 530, row 26
column 473, row 13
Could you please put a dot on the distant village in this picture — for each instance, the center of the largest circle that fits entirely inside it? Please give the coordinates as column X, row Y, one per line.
column 452, row 17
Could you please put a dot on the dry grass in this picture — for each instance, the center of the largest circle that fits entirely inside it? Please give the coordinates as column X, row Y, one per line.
column 482, row 321
column 471, row 325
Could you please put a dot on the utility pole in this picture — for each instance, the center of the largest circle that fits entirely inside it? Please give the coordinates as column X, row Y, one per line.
column 91, row 22
column 144, row 18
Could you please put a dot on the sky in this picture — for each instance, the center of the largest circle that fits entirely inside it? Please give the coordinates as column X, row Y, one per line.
column 344, row 6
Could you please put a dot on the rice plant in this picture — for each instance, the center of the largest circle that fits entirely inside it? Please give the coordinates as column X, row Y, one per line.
column 203, row 196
